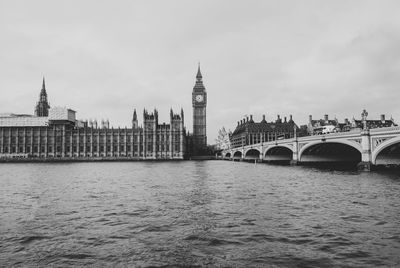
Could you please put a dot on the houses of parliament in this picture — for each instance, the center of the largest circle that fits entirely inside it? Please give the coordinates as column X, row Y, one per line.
column 55, row 133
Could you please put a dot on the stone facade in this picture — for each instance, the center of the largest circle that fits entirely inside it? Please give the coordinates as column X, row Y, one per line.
column 248, row 132
column 59, row 135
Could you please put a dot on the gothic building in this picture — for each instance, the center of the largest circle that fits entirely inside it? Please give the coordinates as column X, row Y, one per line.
column 42, row 106
column 199, row 103
column 55, row 133
column 249, row 132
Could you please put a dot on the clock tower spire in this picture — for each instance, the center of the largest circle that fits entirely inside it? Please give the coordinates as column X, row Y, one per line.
column 199, row 103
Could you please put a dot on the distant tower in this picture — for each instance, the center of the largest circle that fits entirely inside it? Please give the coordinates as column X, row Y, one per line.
column 199, row 103
column 134, row 120
column 42, row 106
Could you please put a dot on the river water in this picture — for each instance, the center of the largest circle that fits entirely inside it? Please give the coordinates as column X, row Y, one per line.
column 206, row 213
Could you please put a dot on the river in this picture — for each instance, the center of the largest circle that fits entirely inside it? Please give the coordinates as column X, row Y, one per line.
column 197, row 213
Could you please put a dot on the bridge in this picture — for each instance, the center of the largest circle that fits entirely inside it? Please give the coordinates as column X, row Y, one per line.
column 367, row 147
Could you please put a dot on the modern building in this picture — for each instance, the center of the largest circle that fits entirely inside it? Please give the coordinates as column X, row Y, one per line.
column 199, row 103
column 248, row 132
column 56, row 133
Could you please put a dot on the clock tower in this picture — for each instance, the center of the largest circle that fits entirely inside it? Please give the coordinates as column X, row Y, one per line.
column 199, row 103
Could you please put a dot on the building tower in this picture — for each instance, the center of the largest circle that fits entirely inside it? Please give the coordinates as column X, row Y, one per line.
column 199, row 103
column 42, row 106
column 135, row 123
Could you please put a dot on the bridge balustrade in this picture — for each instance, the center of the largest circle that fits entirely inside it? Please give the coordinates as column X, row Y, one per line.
column 369, row 147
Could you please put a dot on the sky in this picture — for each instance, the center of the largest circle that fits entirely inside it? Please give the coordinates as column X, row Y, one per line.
column 105, row 58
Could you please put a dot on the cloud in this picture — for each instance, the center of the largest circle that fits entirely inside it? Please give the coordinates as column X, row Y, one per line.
column 258, row 57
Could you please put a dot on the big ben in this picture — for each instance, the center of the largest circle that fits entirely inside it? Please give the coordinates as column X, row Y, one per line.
column 199, row 102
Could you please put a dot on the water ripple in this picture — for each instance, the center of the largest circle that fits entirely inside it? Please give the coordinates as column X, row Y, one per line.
column 196, row 214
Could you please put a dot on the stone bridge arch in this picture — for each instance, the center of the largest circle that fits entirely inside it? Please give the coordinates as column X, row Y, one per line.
column 227, row 155
column 382, row 146
column 252, row 153
column 277, row 146
column 278, row 152
column 352, row 144
column 237, row 154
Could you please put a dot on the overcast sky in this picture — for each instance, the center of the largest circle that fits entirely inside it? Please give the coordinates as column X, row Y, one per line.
column 105, row 58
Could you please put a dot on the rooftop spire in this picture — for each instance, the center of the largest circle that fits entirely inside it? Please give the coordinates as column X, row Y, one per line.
column 42, row 106
column 199, row 87
column 199, row 76
column 134, row 115
column 43, row 91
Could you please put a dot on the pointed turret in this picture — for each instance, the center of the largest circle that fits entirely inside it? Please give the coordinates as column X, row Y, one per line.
column 42, row 106
column 134, row 115
column 43, row 87
column 182, row 115
column 199, row 76
column 134, row 119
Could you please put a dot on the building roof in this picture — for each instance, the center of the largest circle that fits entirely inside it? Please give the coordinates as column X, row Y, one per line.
column 264, row 126
column 199, row 87
column 374, row 123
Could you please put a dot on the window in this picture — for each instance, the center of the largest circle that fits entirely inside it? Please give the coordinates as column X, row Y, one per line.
column 122, row 148
column 58, row 149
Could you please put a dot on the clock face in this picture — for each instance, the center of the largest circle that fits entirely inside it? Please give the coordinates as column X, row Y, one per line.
column 199, row 98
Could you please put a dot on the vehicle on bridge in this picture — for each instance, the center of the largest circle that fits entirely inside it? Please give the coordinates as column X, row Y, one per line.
column 325, row 130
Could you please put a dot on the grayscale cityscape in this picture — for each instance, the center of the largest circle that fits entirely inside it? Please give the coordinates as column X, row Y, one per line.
column 200, row 134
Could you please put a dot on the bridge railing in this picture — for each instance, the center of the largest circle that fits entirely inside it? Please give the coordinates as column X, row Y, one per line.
column 385, row 129
column 326, row 135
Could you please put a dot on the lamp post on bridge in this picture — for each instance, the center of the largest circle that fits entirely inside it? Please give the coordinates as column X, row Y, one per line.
column 364, row 115
column 366, row 158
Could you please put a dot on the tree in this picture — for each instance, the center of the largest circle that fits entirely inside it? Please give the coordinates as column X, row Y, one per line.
column 223, row 141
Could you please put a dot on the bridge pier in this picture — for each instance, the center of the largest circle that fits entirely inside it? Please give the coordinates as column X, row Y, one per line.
column 364, row 166
column 366, row 156
column 295, row 157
